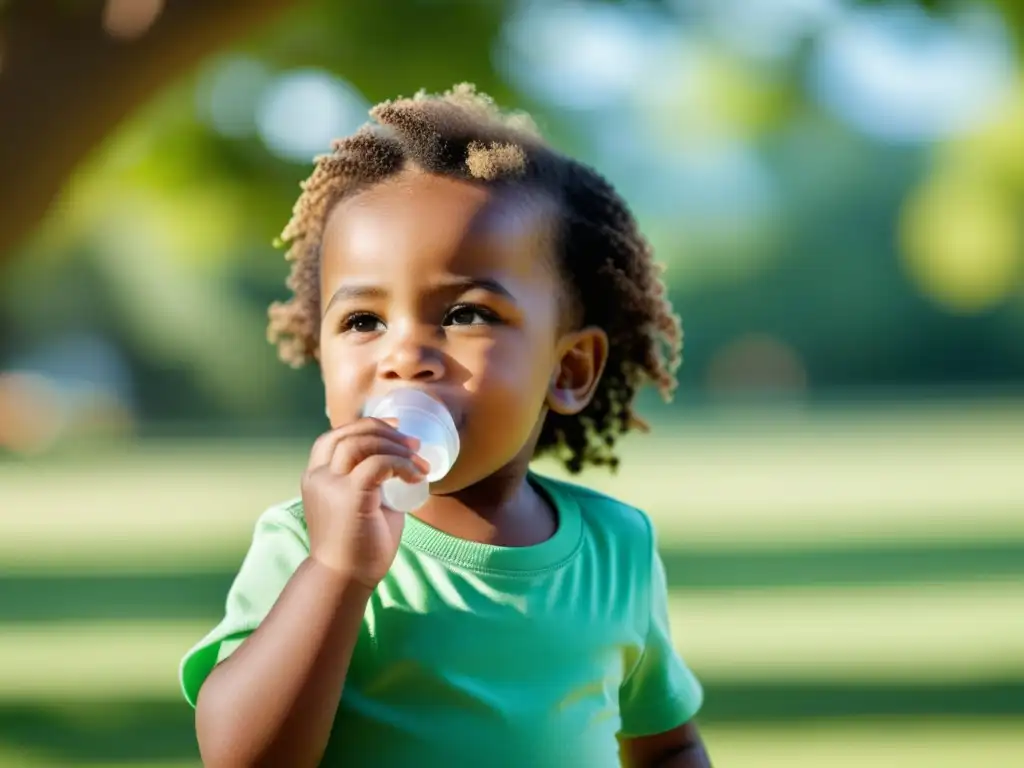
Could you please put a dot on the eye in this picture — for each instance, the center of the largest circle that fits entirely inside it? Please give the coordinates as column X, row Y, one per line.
column 362, row 322
column 470, row 314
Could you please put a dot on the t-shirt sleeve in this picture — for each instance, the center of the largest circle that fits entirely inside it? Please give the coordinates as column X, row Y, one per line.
column 660, row 692
column 279, row 546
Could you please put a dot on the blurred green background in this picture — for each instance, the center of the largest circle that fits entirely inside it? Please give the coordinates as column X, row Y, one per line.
column 837, row 190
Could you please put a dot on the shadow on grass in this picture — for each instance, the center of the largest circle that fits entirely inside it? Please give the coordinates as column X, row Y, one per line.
column 101, row 732
column 192, row 595
column 870, row 564
column 739, row 702
column 105, row 732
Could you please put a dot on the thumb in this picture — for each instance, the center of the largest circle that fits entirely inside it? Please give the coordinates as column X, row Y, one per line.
column 395, row 522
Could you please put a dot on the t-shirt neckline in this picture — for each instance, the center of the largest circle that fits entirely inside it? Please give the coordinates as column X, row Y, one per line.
column 472, row 555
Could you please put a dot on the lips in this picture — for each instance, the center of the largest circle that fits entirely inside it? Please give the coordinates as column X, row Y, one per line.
column 456, row 412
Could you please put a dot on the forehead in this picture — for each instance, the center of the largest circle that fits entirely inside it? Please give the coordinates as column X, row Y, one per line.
column 419, row 224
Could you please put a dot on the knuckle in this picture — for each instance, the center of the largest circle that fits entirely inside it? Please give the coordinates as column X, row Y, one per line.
column 313, row 478
column 374, row 466
column 324, row 439
column 378, row 444
column 377, row 461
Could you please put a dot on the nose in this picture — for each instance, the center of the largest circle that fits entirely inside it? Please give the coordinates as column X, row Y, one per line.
column 411, row 358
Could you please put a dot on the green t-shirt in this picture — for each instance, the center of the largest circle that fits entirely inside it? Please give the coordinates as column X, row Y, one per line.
column 472, row 654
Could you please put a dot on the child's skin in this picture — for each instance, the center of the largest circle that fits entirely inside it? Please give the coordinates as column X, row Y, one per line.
column 451, row 287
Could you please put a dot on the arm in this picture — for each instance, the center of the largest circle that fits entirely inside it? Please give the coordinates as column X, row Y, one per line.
column 273, row 701
column 679, row 748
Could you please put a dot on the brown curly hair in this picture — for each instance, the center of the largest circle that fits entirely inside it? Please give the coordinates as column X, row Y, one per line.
column 606, row 263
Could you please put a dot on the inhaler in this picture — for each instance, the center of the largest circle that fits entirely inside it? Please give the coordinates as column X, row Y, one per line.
column 420, row 416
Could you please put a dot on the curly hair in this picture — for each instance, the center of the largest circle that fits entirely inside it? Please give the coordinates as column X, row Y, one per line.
column 606, row 264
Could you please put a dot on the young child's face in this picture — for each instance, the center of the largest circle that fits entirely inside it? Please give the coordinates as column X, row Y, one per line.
column 445, row 285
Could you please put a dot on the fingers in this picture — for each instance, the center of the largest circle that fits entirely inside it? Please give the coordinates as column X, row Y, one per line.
column 373, row 471
column 352, row 451
column 326, row 445
column 369, row 451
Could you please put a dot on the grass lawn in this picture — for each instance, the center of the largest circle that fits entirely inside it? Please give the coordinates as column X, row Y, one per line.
column 849, row 587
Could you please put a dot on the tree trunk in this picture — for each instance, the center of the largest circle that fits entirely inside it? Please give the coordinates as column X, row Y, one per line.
column 65, row 83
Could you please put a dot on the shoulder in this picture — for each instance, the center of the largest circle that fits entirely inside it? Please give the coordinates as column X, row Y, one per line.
column 619, row 547
column 284, row 518
column 605, row 516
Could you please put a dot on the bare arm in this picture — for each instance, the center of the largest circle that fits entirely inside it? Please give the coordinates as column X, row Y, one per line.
column 274, row 700
column 679, row 748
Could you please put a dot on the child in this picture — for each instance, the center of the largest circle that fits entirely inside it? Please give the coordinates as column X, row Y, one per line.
column 513, row 620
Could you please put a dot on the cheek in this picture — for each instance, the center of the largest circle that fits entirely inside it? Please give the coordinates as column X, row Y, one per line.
column 346, row 377
column 511, row 369
column 508, row 393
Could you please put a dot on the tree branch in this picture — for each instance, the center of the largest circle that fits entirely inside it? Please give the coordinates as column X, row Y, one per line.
column 65, row 84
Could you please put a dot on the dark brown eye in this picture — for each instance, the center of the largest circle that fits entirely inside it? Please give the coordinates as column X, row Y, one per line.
column 470, row 314
column 362, row 322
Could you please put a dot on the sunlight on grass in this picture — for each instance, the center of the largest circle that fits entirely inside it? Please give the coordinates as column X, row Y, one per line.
column 862, row 635
column 934, row 632
column 888, row 743
column 791, row 493
column 69, row 661
column 169, row 504
column 938, row 743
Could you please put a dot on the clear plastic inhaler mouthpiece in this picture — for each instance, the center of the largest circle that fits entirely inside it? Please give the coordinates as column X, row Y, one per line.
column 420, row 416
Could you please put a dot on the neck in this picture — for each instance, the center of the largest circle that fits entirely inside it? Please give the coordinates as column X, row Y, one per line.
column 502, row 509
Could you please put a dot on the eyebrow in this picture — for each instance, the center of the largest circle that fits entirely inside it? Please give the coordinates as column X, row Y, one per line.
column 349, row 292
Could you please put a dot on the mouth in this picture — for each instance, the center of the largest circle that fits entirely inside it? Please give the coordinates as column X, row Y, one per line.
column 460, row 421
column 457, row 413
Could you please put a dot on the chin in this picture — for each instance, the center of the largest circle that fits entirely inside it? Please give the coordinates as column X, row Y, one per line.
column 495, row 472
column 449, row 485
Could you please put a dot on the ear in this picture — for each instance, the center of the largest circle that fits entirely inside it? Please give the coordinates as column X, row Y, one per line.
column 581, row 360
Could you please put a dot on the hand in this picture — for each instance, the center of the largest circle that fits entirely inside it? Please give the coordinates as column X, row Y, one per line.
column 349, row 531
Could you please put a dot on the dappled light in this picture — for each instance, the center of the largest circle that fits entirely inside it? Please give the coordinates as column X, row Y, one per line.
column 301, row 112
column 129, row 19
column 900, row 74
column 757, row 365
column 228, row 94
column 963, row 243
